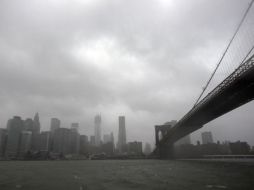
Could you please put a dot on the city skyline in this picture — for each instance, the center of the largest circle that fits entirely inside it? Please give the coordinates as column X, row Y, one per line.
column 22, row 139
column 57, row 123
column 89, row 131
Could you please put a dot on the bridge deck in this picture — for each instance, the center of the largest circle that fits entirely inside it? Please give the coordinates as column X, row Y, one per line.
column 237, row 89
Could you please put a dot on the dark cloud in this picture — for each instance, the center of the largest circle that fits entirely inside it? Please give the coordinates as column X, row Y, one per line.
column 147, row 60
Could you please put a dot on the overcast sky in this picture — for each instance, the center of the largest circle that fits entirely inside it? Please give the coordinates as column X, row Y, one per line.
column 145, row 59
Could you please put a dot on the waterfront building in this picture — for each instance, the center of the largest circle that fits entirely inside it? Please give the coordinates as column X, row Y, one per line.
column 74, row 138
column 25, row 142
column 135, row 148
column 14, row 128
column 55, row 124
column 83, row 147
column 207, row 137
column 108, row 146
column 44, row 140
column 239, row 148
column 3, row 139
column 61, row 141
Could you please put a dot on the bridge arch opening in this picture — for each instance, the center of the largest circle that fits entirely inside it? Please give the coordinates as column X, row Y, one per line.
column 160, row 135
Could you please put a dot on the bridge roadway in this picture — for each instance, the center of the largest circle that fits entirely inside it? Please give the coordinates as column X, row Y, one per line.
column 236, row 90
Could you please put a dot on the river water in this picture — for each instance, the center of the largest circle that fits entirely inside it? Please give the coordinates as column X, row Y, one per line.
column 124, row 175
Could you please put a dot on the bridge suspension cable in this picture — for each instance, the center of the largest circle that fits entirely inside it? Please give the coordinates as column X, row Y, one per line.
column 226, row 50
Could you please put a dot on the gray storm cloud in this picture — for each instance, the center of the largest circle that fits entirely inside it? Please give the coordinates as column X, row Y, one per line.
column 147, row 60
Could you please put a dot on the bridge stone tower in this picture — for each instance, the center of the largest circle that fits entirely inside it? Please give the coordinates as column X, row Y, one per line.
column 164, row 151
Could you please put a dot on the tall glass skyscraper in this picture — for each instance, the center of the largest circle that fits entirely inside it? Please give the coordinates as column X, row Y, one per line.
column 37, row 125
column 97, row 130
column 36, row 132
column 121, row 134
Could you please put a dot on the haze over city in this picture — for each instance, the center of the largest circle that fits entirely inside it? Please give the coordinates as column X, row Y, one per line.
column 146, row 60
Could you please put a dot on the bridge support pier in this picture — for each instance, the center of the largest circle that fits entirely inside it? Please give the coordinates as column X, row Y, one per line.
column 163, row 151
column 166, row 152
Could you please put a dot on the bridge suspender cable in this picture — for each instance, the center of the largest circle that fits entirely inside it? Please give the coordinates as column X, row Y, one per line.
column 223, row 55
column 247, row 55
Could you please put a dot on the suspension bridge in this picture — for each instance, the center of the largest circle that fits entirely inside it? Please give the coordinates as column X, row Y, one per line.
column 220, row 95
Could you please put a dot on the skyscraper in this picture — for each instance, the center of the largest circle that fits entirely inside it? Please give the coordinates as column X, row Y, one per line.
column 25, row 142
column 121, row 134
column 44, row 140
column 74, row 138
column 36, row 133
column 108, row 146
column 83, row 144
column 61, row 141
column 74, row 127
column 14, row 128
column 54, row 124
column 29, row 125
column 97, row 130
column 207, row 137
column 37, row 124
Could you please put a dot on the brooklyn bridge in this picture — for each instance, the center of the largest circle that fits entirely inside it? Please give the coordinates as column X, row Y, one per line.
column 228, row 94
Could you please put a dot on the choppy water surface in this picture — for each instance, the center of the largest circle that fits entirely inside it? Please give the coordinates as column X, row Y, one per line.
column 124, row 174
